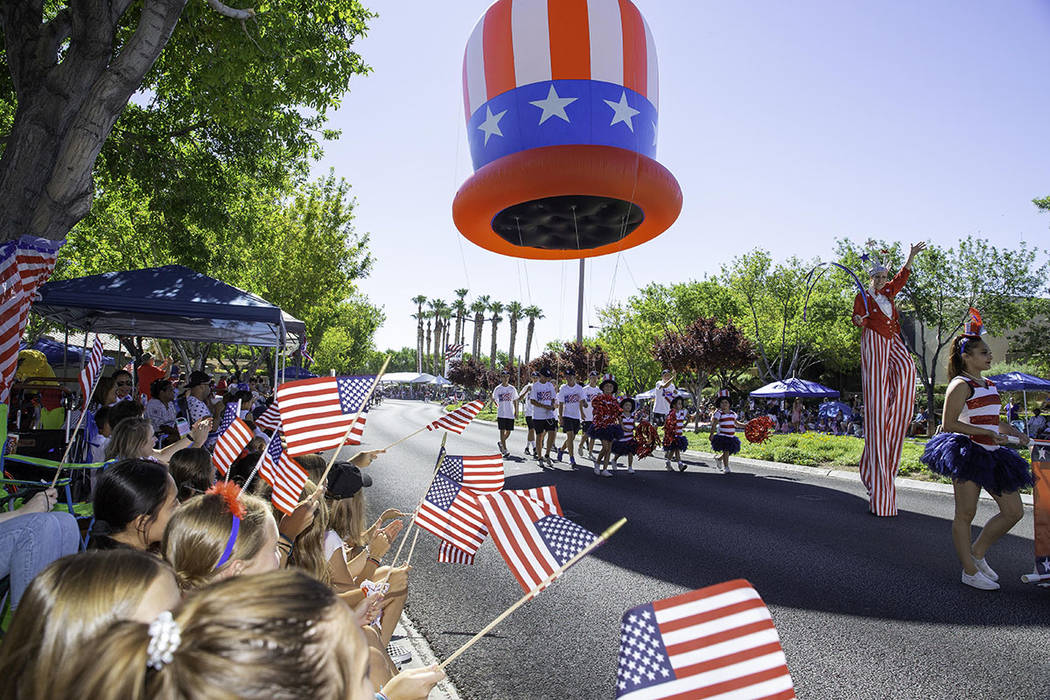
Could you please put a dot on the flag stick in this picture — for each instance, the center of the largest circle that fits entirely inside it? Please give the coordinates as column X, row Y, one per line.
column 535, row 591
column 237, row 415
column 437, row 465
column 413, row 547
column 350, row 428
column 252, row 475
column 394, row 444
column 80, row 421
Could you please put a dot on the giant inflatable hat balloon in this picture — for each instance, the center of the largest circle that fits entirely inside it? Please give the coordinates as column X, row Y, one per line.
column 561, row 106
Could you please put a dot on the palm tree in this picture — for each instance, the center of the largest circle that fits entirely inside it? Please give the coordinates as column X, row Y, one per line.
column 514, row 310
column 460, row 307
column 496, row 308
column 532, row 313
column 419, row 300
column 426, row 357
column 479, row 307
column 439, row 309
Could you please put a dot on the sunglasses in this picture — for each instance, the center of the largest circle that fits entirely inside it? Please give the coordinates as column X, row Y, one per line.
column 123, row 383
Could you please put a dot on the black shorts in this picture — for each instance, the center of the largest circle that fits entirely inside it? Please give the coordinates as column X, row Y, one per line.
column 505, row 423
column 528, row 422
column 659, row 418
column 570, row 425
column 586, row 426
column 545, row 425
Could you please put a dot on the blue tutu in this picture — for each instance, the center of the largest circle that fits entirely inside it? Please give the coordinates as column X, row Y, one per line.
column 624, row 447
column 608, row 433
column 958, row 457
column 676, row 443
column 725, row 443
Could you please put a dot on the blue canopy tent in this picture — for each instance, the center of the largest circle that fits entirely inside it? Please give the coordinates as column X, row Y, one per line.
column 1019, row 381
column 58, row 353
column 171, row 302
column 794, row 388
column 297, row 373
column 830, row 409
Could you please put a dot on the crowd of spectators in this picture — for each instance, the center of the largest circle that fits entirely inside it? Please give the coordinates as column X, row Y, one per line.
column 191, row 588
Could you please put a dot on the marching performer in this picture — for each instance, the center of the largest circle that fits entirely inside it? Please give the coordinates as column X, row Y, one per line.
column 505, row 397
column 674, row 433
column 530, row 444
column 589, row 392
column 570, row 400
column 887, row 382
column 625, row 444
column 723, row 430
column 544, row 399
column 970, row 450
column 606, row 424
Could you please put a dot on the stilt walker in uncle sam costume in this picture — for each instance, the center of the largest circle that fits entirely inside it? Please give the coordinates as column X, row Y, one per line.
column 887, row 381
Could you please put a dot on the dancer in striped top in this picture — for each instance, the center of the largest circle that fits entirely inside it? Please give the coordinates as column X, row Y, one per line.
column 970, row 449
column 606, row 424
column 723, row 430
column 674, row 434
column 626, row 445
column 887, row 381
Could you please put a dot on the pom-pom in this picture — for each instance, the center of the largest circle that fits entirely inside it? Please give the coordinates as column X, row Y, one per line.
column 231, row 496
column 646, row 437
column 758, row 429
column 974, row 326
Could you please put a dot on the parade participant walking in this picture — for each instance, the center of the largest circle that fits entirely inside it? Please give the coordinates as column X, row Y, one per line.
column 664, row 391
column 606, row 424
column 970, row 450
column 723, row 430
column 523, row 396
column 570, row 401
column 589, row 392
column 674, row 434
column 543, row 397
column 887, row 381
column 505, row 397
column 625, row 444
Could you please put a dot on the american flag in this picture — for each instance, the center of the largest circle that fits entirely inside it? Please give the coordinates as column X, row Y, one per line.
column 307, row 357
column 534, row 540
column 24, row 265
column 230, row 444
column 316, row 412
column 449, row 553
column 458, row 420
column 282, row 473
column 90, row 373
column 270, row 419
column 717, row 642
column 546, row 494
column 450, row 509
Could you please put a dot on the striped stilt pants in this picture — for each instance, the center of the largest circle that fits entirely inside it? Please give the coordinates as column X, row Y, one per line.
column 888, row 382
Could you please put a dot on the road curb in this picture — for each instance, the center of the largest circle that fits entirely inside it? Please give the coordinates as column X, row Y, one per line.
column 422, row 656
column 901, row 482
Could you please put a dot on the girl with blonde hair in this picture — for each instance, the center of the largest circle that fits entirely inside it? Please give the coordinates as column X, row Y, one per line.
column 69, row 603
column 278, row 635
column 133, row 438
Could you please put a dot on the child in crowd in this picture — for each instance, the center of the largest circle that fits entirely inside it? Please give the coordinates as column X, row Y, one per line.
column 723, row 431
column 626, row 444
column 606, row 424
column 674, row 433
column 72, row 601
column 133, row 502
column 192, row 470
column 971, row 450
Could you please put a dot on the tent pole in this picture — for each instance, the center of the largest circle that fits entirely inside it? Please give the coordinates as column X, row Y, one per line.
column 1025, row 394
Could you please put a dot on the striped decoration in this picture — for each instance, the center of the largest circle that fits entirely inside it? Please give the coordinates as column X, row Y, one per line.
column 89, row 375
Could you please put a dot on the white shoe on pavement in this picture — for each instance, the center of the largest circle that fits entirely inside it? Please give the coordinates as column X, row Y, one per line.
column 979, row 581
column 667, row 465
column 606, row 472
column 630, row 470
column 597, row 470
column 983, row 567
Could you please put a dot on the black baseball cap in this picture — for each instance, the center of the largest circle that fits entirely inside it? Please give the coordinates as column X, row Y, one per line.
column 546, row 372
column 345, row 480
column 197, row 378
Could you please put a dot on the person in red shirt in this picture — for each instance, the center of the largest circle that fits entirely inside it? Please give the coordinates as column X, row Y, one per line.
column 887, row 381
column 149, row 373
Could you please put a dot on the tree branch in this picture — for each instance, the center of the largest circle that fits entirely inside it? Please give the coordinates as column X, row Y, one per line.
column 227, row 11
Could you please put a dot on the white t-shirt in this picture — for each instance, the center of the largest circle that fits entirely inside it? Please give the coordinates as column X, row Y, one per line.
column 589, row 392
column 332, row 544
column 505, row 396
column 527, row 391
column 545, row 393
column 569, row 397
column 661, row 403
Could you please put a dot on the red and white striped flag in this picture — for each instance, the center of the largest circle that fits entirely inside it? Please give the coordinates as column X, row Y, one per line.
column 546, row 494
column 230, row 444
column 449, row 553
column 282, row 473
column 25, row 264
column 717, row 642
column 270, row 419
column 450, row 509
column 91, row 370
column 316, row 412
column 534, row 540
column 458, row 420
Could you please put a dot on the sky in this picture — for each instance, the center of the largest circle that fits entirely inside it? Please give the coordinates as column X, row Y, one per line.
column 787, row 125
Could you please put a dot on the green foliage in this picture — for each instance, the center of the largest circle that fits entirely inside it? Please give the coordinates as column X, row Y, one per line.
column 346, row 344
column 403, row 360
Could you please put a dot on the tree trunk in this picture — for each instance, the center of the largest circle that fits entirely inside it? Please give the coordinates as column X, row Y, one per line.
column 528, row 338
column 510, row 350
column 426, row 356
column 495, row 328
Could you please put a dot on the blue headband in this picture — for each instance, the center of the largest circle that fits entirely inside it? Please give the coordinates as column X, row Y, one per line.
column 234, row 529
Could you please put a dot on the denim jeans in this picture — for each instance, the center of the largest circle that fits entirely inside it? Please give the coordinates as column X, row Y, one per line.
column 30, row 542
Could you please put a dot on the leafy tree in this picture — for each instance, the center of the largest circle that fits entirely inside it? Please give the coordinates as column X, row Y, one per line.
column 472, row 374
column 346, row 345
column 514, row 313
column 257, row 94
column 478, row 307
column 460, row 307
column 496, row 308
column 419, row 300
column 403, row 360
column 583, row 358
column 701, row 349
column 533, row 313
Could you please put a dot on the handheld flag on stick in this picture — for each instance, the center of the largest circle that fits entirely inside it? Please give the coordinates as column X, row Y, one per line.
column 282, row 473
column 456, row 421
column 449, row 553
column 609, row 532
column 718, row 641
column 88, row 379
column 270, row 419
column 229, row 446
column 319, row 414
column 450, row 507
column 415, row 513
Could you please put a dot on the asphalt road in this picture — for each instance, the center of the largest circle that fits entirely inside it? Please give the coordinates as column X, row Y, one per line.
column 865, row 607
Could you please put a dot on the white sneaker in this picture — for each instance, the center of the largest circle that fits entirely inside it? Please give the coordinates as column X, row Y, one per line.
column 979, row 581
column 606, row 472
column 597, row 471
column 630, row 470
column 667, row 465
column 982, row 565
column 727, row 470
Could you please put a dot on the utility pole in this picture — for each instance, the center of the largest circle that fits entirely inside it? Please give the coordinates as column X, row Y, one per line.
column 579, row 309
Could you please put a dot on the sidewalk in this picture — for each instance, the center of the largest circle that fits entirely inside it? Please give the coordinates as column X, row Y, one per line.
column 901, row 482
column 422, row 655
